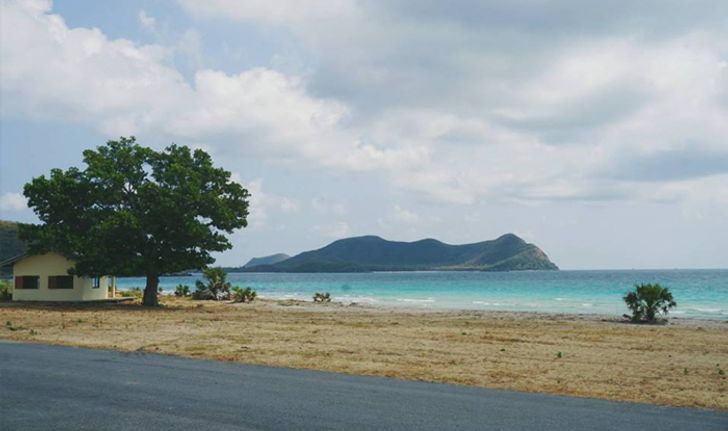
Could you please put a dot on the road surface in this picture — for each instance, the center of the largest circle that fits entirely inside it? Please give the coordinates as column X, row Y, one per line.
column 63, row 388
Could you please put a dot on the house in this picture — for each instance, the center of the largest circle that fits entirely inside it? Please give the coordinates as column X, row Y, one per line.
column 44, row 277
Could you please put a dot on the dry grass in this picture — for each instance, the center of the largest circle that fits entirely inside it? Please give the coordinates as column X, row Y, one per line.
column 678, row 364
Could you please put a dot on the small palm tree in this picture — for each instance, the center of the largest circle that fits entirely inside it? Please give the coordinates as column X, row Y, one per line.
column 216, row 287
column 647, row 300
column 322, row 297
column 244, row 295
column 182, row 291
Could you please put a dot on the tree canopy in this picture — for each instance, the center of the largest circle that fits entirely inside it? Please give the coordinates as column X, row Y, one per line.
column 647, row 301
column 136, row 211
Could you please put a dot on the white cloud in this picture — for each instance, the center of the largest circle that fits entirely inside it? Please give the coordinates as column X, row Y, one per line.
column 122, row 88
column 273, row 11
column 321, row 205
column 263, row 205
column 146, row 21
column 13, row 202
column 337, row 230
column 403, row 215
column 533, row 117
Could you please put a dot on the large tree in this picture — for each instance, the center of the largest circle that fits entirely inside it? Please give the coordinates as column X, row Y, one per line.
column 136, row 211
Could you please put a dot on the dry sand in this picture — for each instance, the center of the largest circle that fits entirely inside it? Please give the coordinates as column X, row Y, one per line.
column 681, row 363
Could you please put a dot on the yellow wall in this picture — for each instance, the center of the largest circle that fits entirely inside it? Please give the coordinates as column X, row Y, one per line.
column 54, row 264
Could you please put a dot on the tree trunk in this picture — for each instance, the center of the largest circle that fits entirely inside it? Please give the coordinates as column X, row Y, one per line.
column 150, row 291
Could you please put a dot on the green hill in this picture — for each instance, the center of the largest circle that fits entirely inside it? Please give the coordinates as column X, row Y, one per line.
column 266, row 260
column 372, row 253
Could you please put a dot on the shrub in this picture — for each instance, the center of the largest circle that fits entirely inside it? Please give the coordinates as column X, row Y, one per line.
column 243, row 295
column 647, row 301
column 216, row 287
column 182, row 291
column 6, row 290
column 134, row 292
column 322, row 297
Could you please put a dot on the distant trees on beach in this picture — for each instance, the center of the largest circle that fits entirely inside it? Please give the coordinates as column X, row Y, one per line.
column 647, row 301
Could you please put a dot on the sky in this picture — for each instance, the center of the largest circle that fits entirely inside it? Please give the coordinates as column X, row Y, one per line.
column 596, row 130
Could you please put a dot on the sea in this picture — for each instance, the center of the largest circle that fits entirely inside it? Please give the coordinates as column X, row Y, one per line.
column 701, row 294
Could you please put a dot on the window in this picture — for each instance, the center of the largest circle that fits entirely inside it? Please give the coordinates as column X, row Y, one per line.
column 60, row 282
column 96, row 282
column 27, row 282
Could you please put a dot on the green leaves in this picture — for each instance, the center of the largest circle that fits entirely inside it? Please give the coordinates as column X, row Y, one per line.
column 216, row 286
column 245, row 295
column 322, row 297
column 648, row 300
column 136, row 211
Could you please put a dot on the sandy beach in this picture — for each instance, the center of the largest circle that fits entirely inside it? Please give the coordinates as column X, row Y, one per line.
column 682, row 363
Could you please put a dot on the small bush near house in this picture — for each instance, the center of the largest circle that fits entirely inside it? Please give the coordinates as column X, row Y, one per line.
column 647, row 301
column 182, row 291
column 322, row 297
column 134, row 292
column 6, row 290
column 243, row 295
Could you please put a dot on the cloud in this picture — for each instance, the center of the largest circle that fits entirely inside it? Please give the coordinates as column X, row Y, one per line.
column 671, row 165
column 146, row 21
column 337, row 230
column 519, row 101
column 120, row 87
column 263, row 205
column 272, row 12
column 460, row 103
column 322, row 205
column 13, row 202
column 403, row 215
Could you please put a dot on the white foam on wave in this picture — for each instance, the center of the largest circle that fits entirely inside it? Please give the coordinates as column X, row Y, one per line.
column 709, row 310
column 359, row 299
column 283, row 296
column 416, row 300
column 587, row 304
column 493, row 304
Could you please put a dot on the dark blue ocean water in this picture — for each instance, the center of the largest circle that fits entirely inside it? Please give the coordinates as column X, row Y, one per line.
column 699, row 293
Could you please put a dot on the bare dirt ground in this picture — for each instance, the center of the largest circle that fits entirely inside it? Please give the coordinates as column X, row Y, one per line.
column 683, row 363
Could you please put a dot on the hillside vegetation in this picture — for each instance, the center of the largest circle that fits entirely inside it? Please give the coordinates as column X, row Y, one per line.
column 10, row 245
column 266, row 260
column 372, row 253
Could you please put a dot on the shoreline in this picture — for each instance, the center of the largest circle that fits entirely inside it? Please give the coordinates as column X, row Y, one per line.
column 699, row 294
column 596, row 356
column 334, row 305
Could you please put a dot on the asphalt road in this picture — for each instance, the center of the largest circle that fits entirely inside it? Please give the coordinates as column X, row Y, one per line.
column 62, row 388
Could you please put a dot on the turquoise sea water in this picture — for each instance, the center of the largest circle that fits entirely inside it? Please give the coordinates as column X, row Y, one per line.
column 699, row 293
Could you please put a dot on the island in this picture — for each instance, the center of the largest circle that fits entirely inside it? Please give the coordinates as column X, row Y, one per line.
column 372, row 253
